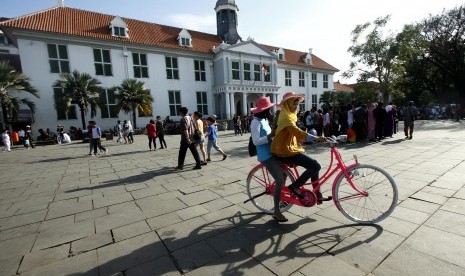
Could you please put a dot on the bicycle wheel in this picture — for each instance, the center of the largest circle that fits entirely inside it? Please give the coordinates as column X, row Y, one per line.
column 259, row 183
column 375, row 199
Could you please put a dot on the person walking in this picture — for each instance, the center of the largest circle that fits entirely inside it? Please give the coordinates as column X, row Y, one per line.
column 96, row 133
column 187, row 131
column 371, row 123
column 389, row 123
column 197, row 116
column 152, row 134
column 6, row 140
column 21, row 135
column 212, row 139
column 409, row 118
column 125, row 131
column 160, row 126
column 119, row 132
column 262, row 135
column 28, row 138
column 130, row 132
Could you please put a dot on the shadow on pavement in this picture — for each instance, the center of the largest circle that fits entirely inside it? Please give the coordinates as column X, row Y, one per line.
column 240, row 241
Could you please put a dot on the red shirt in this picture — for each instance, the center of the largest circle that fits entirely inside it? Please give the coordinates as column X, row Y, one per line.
column 151, row 130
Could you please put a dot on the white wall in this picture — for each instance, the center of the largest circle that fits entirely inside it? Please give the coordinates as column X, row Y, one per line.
column 35, row 64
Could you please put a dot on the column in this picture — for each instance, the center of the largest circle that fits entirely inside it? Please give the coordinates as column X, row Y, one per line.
column 227, row 105
column 244, row 104
column 275, row 100
column 233, row 108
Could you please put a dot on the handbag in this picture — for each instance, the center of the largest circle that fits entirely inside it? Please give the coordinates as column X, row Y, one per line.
column 252, row 147
column 197, row 135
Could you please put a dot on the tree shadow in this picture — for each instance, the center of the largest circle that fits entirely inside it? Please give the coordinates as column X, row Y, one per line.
column 391, row 142
column 134, row 179
column 51, row 160
column 240, row 242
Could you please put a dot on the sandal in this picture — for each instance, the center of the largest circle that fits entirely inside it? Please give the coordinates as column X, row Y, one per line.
column 280, row 218
column 294, row 192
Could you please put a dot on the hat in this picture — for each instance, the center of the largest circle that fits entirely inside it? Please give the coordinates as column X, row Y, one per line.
column 292, row 95
column 28, row 126
column 263, row 103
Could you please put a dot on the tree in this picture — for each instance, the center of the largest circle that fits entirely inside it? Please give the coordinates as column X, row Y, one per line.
column 327, row 99
column 366, row 92
column 375, row 55
column 132, row 96
column 10, row 80
column 433, row 54
column 80, row 89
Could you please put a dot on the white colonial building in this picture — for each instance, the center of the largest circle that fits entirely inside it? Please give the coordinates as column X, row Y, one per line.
column 216, row 74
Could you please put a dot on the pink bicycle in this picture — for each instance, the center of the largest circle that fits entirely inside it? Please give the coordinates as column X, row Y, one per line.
column 363, row 193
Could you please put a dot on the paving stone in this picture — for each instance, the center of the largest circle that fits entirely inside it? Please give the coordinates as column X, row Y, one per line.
column 460, row 194
column 445, row 246
column 19, row 231
column 91, row 242
column 194, row 256
column 155, row 206
column 131, row 230
column 112, row 200
column 83, row 264
column 410, row 215
column 151, row 191
column 129, row 253
column 185, row 233
column 16, row 246
column 44, row 257
column 216, row 204
column 192, row 212
column 199, row 197
column 429, row 197
column 409, row 262
column 92, row 214
column 448, row 222
column 118, row 219
column 420, row 205
column 161, row 266
column 164, row 220
column 20, row 220
column 64, row 233
column 9, row 264
column 454, row 205
column 65, row 208
column 330, row 266
column 237, row 263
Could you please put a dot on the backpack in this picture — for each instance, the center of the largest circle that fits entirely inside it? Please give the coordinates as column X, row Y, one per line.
column 252, row 148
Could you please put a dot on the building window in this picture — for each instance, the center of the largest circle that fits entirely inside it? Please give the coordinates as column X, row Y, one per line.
column 302, row 106
column 108, row 104
column 185, row 41
column 58, row 94
column 172, row 71
column 119, row 31
column 267, row 72
column 141, row 69
column 146, row 111
column 288, row 77
column 325, row 80
column 174, row 98
column 202, row 105
column 102, row 62
column 58, row 58
column 314, row 80
column 256, row 72
column 302, row 79
column 247, row 73
column 281, row 56
column 315, row 101
column 236, row 70
column 199, row 69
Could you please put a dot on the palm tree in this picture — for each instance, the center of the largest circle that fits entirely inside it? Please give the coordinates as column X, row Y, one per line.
column 132, row 96
column 10, row 79
column 80, row 89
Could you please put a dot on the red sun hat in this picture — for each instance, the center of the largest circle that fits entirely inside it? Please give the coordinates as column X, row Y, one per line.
column 263, row 103
column 292, row 95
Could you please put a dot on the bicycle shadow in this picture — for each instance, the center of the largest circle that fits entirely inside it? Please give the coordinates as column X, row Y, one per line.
column 235, row 245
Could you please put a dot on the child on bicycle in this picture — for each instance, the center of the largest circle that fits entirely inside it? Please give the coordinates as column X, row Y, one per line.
column 287, row 145
column 261, row 137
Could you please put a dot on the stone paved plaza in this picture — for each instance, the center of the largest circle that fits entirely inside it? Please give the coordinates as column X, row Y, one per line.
column 130, row 213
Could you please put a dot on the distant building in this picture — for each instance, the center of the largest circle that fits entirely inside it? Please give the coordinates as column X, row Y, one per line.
column 339, row 87
column 214, row 74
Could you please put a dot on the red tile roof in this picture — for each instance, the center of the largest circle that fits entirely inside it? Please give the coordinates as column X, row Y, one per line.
column 342, row 87
column 81, row 23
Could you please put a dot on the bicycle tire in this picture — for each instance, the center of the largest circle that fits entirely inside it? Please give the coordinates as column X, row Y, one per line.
column 362, row 209
column 257, row 184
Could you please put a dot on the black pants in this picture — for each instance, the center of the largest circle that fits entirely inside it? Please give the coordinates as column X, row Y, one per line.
column 379, row 129
column 311, row 165
column 131, row 137
column 161, row 137
column 183, row 150
column 96, row 143
column 152, row 140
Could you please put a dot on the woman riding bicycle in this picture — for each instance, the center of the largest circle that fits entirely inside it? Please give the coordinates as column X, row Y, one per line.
column 287, row 145
column 261, row 137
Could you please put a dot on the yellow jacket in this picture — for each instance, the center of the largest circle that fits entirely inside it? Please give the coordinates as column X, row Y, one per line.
column 288, row 139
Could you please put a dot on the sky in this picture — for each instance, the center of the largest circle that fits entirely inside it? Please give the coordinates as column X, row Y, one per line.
column 323, row 25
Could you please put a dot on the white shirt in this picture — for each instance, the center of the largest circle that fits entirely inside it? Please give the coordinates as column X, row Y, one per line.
column 95, row 134
column 66, row 138
column 326, row 119
column 21, row 133
column 350, row 118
